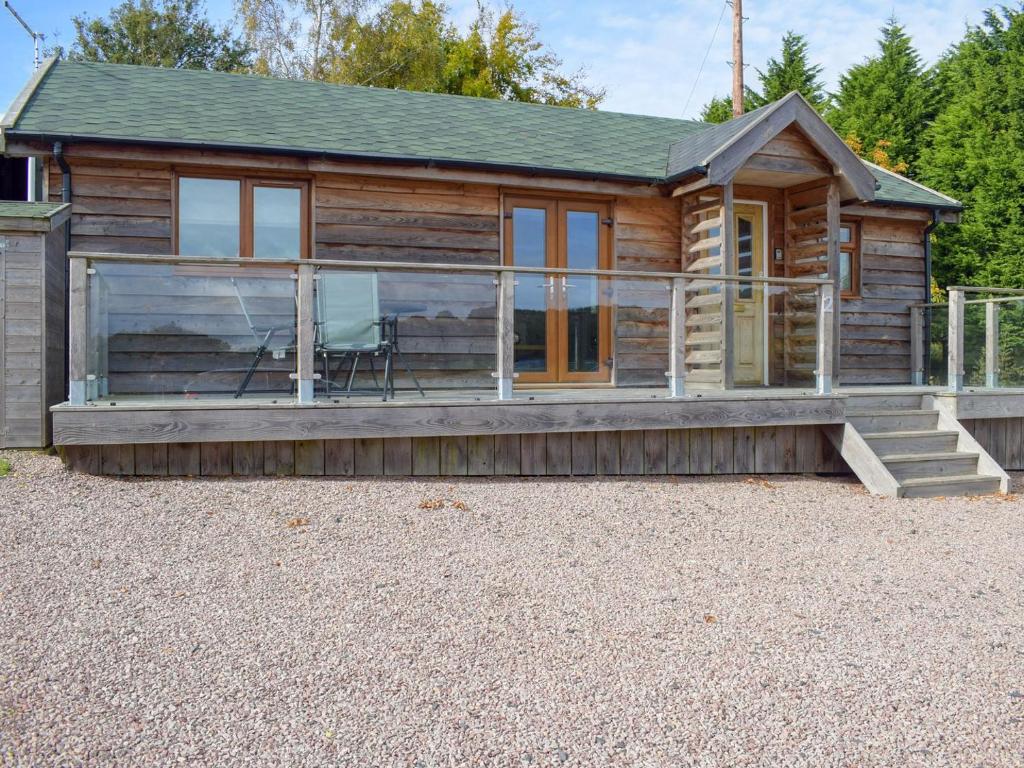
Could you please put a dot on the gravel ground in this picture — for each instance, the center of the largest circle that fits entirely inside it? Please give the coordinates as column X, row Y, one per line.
column 704, row 621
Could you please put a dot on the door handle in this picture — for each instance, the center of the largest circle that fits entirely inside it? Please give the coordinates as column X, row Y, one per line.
column 550, row 285
column 566, row 284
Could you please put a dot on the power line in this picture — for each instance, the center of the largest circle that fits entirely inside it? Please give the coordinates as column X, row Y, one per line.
column 700, row 69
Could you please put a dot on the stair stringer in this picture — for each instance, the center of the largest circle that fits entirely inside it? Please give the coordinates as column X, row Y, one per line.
column 864, row 462
column 965, row 440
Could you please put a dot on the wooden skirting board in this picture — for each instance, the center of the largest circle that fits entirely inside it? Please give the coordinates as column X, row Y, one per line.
column 1002, row 438
column 710, row 451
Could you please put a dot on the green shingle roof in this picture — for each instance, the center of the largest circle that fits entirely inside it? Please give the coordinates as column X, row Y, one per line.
column 173, row 106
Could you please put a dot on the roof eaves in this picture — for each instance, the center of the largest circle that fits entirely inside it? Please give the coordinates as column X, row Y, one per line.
column 952, row 201
column 17, row 106
column 440, row 162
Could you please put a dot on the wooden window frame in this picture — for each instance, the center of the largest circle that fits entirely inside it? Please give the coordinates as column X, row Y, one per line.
column 247, row 184
column 853, row 249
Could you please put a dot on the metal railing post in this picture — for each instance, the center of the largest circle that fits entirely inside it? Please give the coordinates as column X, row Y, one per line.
column 677, row 339
column 826, row 320
column 917, row 346
column 78, row 330
column 956, row 340
column 304, row 333
column 506, row 334
column 991, row 344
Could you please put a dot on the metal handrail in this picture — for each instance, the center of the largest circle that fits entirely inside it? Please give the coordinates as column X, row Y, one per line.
column 401, row 266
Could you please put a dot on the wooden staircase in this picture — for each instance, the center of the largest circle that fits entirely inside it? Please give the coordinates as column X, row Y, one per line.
column 912, row 446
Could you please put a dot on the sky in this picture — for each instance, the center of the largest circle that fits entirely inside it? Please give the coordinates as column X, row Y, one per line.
column 645, row 53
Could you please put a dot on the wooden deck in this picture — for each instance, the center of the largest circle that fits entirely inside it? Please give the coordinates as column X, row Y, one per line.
column 151, row 419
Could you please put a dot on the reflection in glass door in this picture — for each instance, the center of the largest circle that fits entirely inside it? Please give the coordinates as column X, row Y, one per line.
column 562, row 326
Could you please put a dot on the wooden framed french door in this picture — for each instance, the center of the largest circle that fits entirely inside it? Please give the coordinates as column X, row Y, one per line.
column 562, row 322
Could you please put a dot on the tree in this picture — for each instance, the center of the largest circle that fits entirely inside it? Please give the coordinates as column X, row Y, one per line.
column 790, row 72
column 887, row 101
column 167, row 33
column 412, row 45
column 718, row 110
column 974, row 151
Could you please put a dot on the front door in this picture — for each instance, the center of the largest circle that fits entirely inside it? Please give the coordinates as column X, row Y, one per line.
column 749, row 313
column 562, row 322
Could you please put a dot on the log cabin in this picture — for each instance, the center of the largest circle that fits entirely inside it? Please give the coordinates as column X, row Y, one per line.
column 546, row 290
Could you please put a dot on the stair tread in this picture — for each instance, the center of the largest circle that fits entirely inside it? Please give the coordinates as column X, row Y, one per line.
column 930, row 456
column 891, row 412
column 910, row 433
column 950, row 480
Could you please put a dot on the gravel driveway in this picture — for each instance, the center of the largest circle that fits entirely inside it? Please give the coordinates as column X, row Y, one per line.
column 704, row 621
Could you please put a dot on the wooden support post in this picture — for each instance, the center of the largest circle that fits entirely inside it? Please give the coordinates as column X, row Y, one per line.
column 304, row 333
column 956, row 340
column 728, row 249
column 991, row 344
column 917, row 346
column 677, row 339
column 78, row 330
column 506, row 334
column 833, row 224
column 826, row 321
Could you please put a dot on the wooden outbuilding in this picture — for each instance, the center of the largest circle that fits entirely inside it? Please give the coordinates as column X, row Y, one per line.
column 32, row 320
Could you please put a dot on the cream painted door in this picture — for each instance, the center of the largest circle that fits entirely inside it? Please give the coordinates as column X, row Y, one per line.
column 749, row 301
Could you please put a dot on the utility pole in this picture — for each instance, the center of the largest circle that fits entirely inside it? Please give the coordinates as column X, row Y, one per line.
column 37, row 38
column 737, row 58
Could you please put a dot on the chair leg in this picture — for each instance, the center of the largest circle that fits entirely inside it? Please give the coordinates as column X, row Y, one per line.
column 388, row 373
column 416, row 381
column 251, row 371
column 373, row 370
column 352, row 373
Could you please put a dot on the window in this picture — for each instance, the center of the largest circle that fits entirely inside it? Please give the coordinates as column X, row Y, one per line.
column 849, row 258
column 247, row 217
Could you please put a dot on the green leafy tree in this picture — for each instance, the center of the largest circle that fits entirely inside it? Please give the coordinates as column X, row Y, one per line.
column 718, row 110
column 974, row 151
column 792, row 71
column 410, row 44
column 168, row 33
column 886, row 102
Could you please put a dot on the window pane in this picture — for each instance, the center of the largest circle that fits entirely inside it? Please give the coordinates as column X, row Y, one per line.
column 208, row 217
column 745, row 254
column 276, row 223
column 845, row 275
column 529, row 240
column 845, row 234
column 582, row 292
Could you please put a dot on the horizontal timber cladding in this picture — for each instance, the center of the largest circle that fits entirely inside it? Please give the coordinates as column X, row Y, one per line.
column 875, row 331
column 718, row 451
column 123, row 201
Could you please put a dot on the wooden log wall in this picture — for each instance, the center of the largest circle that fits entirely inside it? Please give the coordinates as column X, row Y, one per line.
column 1003, row 439
column 701, row 220
column 875, row 332
column 806, row 255
column 123, row 203
column 126, row 207
column 715, row 451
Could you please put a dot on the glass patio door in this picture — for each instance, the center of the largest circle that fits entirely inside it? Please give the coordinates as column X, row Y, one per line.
column 562, row 325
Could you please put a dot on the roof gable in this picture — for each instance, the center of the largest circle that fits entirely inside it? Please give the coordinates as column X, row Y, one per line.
column 721, row 155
